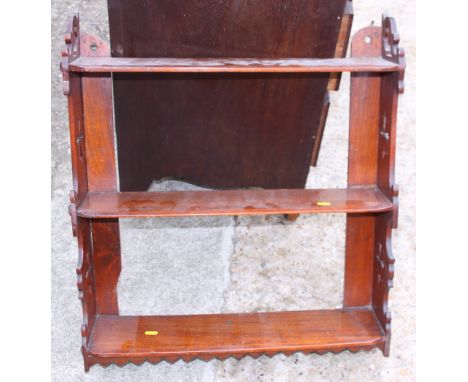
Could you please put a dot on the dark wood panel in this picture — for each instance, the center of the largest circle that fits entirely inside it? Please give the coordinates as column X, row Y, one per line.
column 234, row 202
column 223, row 131
column 233, row 334
column 224, row 28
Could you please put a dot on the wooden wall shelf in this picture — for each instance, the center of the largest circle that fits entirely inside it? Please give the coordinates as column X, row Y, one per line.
column 370, row 202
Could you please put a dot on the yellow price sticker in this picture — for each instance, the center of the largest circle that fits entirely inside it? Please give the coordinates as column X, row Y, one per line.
column 151, row 333
column 323, row 204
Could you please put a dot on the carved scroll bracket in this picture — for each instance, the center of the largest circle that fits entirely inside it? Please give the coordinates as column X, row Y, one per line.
column 79, row 43
column 71, row 49
column 391, row 50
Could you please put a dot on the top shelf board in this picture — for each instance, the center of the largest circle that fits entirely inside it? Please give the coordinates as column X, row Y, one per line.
column 204, row 65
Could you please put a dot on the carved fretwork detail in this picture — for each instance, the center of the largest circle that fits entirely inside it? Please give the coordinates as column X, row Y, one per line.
column 391, row 50
column 383, row 274
column 396, row 205
column 91, row 360
column 85, row 284
column 85, row 274
column 71, row 49
column 72, row 212
column 401, row 81
column 390, row 39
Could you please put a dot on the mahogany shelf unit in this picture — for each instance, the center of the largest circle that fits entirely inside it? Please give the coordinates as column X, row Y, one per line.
column 370, row 202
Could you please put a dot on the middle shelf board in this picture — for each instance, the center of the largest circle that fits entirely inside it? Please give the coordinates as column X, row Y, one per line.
column 233, row 202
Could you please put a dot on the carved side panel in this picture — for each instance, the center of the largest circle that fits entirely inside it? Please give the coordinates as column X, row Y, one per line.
column 71, row 49
column 89, row 104
column 102, row 175
column 72, row 87
column 383, row 275
column 85, row 275
column 391, row 86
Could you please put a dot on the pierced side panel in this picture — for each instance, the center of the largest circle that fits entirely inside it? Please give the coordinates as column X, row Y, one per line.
column 71, row 50
column 372, row 161
column 72, row 88
column 391, row 86
column 383, row 275
column 391, row 49
column 81, row 227
column 86, row 281
column 102, row 175
column 81, row 43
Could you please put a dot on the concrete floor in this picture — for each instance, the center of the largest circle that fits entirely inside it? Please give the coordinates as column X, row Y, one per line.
column 224, row 264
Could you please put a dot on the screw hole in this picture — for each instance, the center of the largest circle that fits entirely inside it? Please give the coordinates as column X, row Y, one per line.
column 93, row 46
column 367, row 40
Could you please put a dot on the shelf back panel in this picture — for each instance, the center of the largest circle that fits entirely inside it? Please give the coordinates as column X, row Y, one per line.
column 220, row 130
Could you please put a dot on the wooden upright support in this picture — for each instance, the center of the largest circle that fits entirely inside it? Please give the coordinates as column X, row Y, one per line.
column 372, row 143
column 102, row 176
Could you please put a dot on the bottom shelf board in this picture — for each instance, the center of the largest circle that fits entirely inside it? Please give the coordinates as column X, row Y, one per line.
column 222, row 335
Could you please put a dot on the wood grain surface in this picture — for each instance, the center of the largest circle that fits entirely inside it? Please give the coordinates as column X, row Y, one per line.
column 223, row 334
column 233, row 202
column 228, row 130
